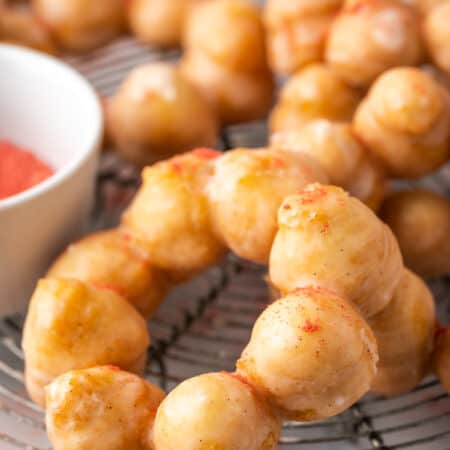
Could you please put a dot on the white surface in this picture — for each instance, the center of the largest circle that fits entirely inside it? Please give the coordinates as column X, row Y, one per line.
column 47, row 107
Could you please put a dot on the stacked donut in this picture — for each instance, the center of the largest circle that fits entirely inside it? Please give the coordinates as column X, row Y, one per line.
column 311, row 355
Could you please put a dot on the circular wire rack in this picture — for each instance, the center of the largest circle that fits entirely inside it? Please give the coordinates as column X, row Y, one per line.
column 204, row 325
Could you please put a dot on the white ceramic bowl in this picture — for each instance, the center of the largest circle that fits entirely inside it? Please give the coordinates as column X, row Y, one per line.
column 47, row 107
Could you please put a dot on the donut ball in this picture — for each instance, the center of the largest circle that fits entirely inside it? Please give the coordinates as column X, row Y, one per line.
column 426, row 5
column 404, row 331
column 225, row 58
column 82, row 25
column 311, row 354
column 114, row 260
column 73, row 325
column 344, row 159
column 296, row 31
column 171, row 216
column 420, row 219
column 215, row 411
column 369, row 37
column 151, row 116
column 159, row 22
column 330, row 239
column 404, row 122
column 442, row 358
column 314, row 92
column 246, row 191
column 437, row 34
column 102, row 408
column 20, row 27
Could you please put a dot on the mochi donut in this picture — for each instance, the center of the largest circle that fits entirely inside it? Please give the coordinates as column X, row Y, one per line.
column 404, row 121
column 109, row 409
column 74, row 325
column 329, row 239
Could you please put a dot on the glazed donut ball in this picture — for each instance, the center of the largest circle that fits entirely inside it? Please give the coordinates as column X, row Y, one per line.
column 246, row 191
column 420, row 219
column 442, row 359
column 404, row 331
column 327, row 238
column 311, row 354
column 370, row 36
column 215, row 411
column 20, row 27
column 344, row 159
column 170, row 214
column 73, row 325
column 437, row 34
column 159, row 22
column 426, row 5
column 151, row 115
column 108, row 408
column 314, row 92
column 296, row 31
column 114, row 260
column 82, row 25
column 225, row 58
column 404, row 122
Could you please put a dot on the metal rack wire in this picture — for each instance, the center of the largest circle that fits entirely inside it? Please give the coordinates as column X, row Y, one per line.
column 204, row 324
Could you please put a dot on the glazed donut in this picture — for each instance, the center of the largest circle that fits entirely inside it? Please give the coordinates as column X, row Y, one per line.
column 114, row 260
column 327, row 238
column 369, row 37
column 159, row 22
column 246, row 191
column 404, row 122
column 82, row 25
column 108, row 408
column 442, row 358
column 171, row 214
column 437, row 34
column 420, row 219
column 296, row 31
column 344, row 159
column 311, row 354
column 404, row 331
column 151, row 116
column 215, row 411
column 315, row 92
column 74, row 325
column 19, row 26
column 225, row 58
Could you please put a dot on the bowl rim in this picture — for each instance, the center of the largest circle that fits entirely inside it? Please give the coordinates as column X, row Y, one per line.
column 68, row 170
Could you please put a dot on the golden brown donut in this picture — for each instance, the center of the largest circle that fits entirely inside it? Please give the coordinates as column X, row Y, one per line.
column 369, row 37
column 420, row 219
column 73, row 325
column 114, row 260
column 311, row 354
column 225, row 58
column 100, row 408
column 404, row 331
column 170, row 214
column 20, row 26
column 296, row 31
column 437, row 34
column 314, row 92
column 404, row 121
column 327, row 238
column 344, row 159
column 246, row 191
column 82, row 25
column 442, row 358
column 159, row 22
column 157, row 113
column 215, row 411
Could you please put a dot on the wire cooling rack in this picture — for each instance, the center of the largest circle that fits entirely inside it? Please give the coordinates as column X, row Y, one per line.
column 204, row 325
